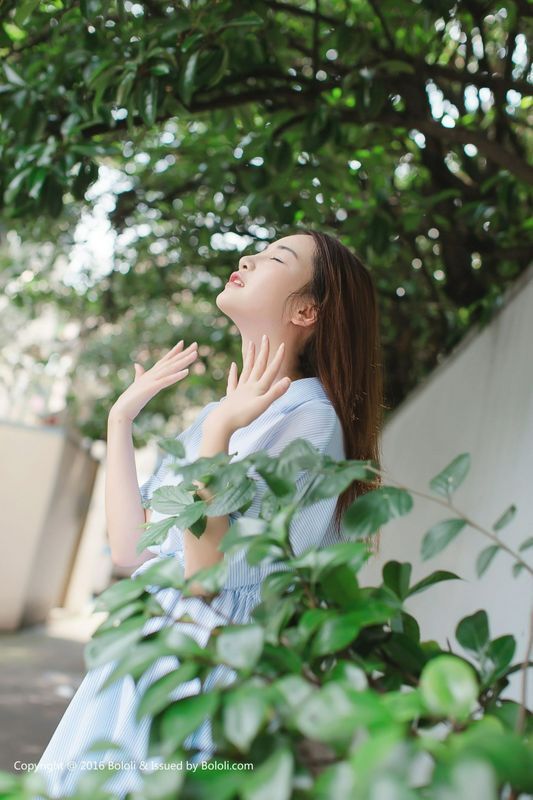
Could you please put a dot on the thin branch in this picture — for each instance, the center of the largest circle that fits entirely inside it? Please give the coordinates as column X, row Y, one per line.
column 521, row 720
column 448, row 505
column 458, row 135
column 385, row 27
column 316, row 37
column 296, row 11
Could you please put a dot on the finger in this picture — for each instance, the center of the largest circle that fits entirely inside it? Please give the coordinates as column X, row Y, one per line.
column 177, row 347
column 262, row 359
column 232, row 378
column 279, row 388
column 139, row 370
column 248, row 361
column 177, row 350
column 182, row 359
column 272, row 369
column 179, row 361
column 168, row 380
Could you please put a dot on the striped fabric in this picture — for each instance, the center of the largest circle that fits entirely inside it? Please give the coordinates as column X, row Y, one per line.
column 304, row 411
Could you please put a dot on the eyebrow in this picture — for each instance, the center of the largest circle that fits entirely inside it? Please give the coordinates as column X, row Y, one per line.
column 283, row 247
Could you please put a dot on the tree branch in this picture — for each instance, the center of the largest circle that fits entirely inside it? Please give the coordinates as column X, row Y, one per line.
column 388, row 35
column 296, row 11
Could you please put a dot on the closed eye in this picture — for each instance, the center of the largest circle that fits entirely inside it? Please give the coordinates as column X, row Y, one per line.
column 273, row 258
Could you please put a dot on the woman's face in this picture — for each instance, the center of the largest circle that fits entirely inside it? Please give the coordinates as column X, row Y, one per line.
column 268, row 277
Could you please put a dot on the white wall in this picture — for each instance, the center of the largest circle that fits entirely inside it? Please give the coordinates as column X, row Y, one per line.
column 480, row 400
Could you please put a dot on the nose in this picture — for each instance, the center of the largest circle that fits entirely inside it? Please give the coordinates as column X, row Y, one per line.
column 245, row 262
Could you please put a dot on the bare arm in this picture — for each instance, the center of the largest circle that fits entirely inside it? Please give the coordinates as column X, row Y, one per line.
column 124, row 511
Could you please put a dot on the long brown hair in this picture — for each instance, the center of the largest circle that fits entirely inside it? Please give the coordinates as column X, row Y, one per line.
column 344, row 353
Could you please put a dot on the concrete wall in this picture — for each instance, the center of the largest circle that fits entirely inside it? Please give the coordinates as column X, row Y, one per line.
column 47, row 482
column 480, row 400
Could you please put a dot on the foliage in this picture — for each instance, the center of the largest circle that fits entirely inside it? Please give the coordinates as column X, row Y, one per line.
column 332, row 692
column 400, row 126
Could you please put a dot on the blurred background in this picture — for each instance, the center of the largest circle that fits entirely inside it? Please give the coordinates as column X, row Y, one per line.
column 143, row 148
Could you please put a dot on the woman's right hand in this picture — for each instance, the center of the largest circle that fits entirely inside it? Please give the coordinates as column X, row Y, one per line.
column 172, row 367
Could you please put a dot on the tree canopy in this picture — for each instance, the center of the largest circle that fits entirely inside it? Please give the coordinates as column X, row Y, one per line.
column 399, row 126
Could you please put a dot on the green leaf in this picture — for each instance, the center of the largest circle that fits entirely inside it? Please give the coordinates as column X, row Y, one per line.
column 118, row 616
column 155, row 533
column 293, row 692
column 119, row 594
column 320, row 560
column 211, row 66
column 404, row 652
column 485, row 557
column 335, row 479
column 157, row 695
column 449, row 687
column 246, row 21
column 171, row 499
column 187, row 83
column 499, row 655
column 526, row 544
column 12, row 76
column 164, row 572
column 332, row 713
column 173, row 446
column 232, row 498
column 350, row 674
column 339, row 586
column 336, row 633
column 135, row 662
column 24, row 10
column 15, row 34
column 270, row 779
column 517, row 569
column 212, row 579
column 435, row 577
column 191, row 513
column 472, row 632
column 184, row 716
column 180, row 643
column 243, row 714
column 397, row 576
column 240, row 646
column 439, row 536
column 113, row 644
column 452, row 476
column 374, row 509
column 150, row 91
column 505, row 518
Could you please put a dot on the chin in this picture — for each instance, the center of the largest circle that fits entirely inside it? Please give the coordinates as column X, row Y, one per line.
column 222, row 303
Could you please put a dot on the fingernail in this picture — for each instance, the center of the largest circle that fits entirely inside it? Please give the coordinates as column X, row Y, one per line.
column 264, row 337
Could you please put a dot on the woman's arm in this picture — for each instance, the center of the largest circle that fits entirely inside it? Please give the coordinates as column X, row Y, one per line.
column 124, row 510
column 203, row 552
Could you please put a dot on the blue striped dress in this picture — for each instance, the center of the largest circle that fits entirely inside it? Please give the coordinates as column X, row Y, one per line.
column 304, row 411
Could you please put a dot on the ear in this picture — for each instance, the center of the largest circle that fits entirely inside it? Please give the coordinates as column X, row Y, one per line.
column 305, row 315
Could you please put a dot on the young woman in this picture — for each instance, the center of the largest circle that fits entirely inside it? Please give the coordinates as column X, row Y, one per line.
column 306, row 311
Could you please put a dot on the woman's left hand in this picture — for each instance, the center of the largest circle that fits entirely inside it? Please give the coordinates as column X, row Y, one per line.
column 250, row 395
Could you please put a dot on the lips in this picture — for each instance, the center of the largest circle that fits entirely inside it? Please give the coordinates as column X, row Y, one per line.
column 236, row 279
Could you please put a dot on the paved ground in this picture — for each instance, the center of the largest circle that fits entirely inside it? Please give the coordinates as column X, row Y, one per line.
column 40, row 669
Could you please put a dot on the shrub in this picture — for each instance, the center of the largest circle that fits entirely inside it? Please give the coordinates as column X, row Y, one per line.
column 333, row 694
